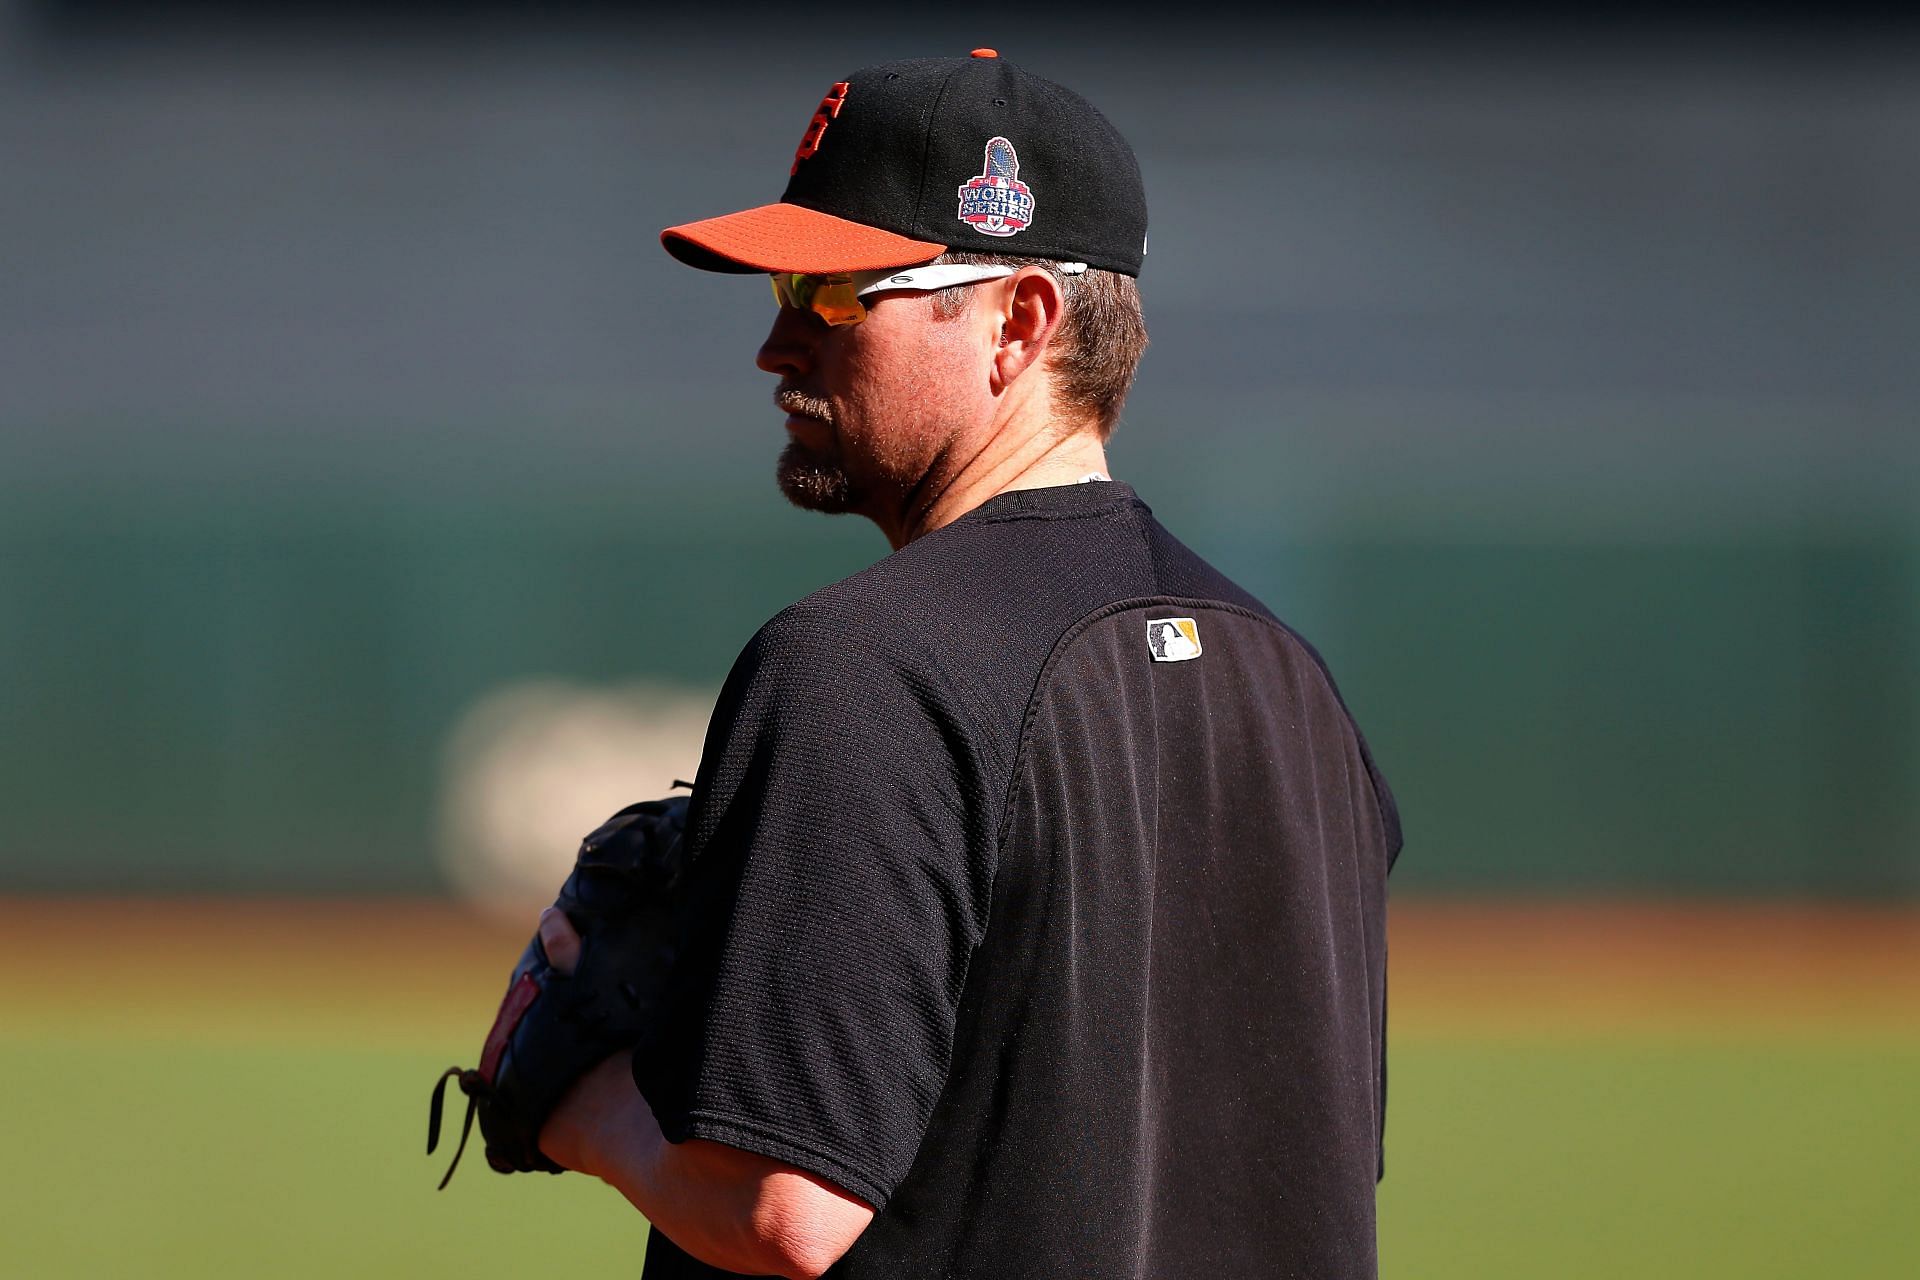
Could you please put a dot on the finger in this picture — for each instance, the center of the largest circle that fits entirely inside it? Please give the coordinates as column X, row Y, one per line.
column 557, row 936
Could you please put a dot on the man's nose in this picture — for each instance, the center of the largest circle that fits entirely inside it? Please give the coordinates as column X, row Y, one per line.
column 788, row 350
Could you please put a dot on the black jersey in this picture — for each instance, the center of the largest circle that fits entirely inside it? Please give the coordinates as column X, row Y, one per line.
column 1048, row 880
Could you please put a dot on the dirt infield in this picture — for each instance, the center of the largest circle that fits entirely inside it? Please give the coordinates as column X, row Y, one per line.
column 428, row 972
column 1655, row 967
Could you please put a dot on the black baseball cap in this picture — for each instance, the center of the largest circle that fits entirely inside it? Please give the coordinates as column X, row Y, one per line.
column 902, row 161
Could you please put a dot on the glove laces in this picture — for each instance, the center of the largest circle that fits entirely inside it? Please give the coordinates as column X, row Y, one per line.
column 471, row 1084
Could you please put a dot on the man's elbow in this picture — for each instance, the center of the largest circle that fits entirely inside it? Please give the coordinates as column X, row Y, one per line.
column 804, row 1225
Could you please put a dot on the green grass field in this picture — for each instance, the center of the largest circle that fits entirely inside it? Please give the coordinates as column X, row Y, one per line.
column 253, row 1103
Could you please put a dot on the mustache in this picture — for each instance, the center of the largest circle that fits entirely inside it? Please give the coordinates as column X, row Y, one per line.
column 794, row 400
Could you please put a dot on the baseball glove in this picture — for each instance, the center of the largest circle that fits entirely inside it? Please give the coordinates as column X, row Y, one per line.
column 552, row 1027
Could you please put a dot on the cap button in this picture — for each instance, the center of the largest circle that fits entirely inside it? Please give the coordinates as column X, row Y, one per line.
column 986, row 53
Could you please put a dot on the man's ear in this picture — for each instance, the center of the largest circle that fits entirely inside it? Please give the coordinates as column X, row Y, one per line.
column 1030, row 313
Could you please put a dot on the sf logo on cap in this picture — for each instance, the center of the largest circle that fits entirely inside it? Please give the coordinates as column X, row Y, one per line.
column 997, row 203
column 828, row 111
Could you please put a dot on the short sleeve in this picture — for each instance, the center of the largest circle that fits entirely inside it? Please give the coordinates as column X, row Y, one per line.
column 843, row 851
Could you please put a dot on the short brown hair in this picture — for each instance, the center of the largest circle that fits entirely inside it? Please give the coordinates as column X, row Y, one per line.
column 1098, row 344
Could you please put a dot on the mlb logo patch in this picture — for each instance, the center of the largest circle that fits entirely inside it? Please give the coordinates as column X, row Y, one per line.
column 1173, row 639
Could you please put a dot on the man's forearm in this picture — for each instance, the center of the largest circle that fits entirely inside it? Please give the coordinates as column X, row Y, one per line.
column 729, row 1208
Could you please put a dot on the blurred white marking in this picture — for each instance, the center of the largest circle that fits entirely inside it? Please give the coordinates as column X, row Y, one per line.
column 533, row 767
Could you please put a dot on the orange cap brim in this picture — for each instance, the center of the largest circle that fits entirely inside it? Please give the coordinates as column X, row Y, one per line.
column 788, row 237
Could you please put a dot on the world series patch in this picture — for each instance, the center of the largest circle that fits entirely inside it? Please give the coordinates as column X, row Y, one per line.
column 997, row 203
column 1173, row 639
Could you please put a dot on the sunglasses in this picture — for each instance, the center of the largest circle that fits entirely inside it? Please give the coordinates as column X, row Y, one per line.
column 837, row 299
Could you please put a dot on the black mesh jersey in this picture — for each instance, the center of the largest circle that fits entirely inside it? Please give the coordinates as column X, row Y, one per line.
column 1047, row 880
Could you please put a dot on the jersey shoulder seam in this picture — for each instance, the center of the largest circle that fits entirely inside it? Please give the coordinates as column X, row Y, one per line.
column 1054, row 657
column 1385, row 809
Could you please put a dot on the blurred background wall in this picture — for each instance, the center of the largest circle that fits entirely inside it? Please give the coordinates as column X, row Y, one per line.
column 1556, row 378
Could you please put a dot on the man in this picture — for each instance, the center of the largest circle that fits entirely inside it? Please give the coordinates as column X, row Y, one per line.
column 1043, row 869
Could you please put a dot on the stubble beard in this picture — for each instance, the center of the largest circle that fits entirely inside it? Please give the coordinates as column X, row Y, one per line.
column 811, row 479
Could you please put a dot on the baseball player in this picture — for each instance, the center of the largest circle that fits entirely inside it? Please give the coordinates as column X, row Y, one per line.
column 1043, row 870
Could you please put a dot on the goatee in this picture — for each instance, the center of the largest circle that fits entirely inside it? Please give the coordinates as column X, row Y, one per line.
column 812, row 482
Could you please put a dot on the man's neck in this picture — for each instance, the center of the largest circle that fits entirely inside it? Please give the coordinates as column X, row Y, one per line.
column 1034, row 461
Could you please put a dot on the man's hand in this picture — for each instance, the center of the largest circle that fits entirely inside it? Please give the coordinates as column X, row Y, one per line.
column 600, row 1095
column 729, row 1208
column 561, row 942
column 552, row 1027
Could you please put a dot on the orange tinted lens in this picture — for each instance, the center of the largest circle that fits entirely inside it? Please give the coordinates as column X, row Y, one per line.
column 829, row 297
column 834, row 301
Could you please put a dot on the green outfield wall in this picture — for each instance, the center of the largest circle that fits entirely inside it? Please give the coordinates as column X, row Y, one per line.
column 236, row 697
